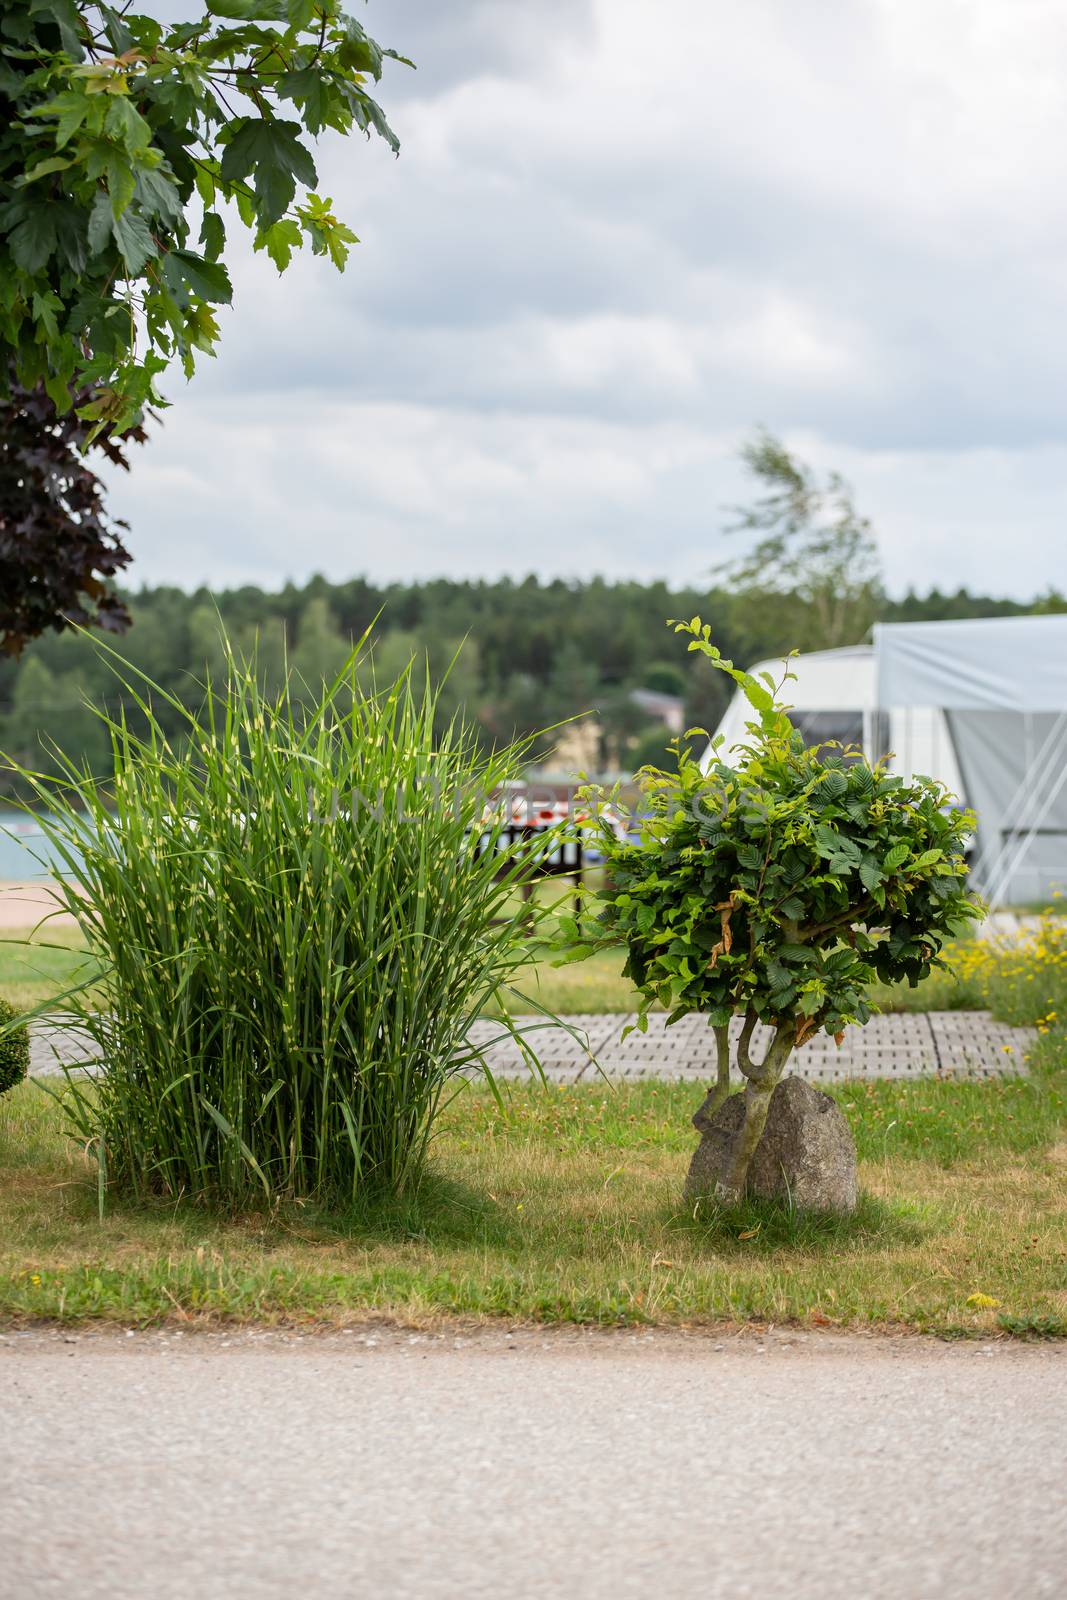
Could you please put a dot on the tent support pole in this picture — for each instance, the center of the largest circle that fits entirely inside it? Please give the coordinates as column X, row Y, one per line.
column 1007, row 872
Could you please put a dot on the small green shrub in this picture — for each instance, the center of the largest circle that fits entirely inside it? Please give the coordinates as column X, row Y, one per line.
column 14, row 1048
column 299, row 912
column 780, row 889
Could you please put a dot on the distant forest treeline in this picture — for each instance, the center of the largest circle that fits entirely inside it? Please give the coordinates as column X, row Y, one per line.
column 535, row 652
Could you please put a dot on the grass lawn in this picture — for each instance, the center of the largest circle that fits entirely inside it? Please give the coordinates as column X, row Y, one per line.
column 31, row 973
column 597, row 985
column 563, row 1205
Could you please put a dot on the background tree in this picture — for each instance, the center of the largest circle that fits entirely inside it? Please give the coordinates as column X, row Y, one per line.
column 76, row 726
column 530, row 657
column 119, row 134
column 812, row 545
column 664, row 677
column 624, row 725
column 321, row 648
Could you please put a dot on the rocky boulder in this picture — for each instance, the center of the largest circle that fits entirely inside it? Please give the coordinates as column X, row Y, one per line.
column 806, row 1154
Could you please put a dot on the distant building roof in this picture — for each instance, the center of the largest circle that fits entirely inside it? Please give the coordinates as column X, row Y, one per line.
column 666, row 708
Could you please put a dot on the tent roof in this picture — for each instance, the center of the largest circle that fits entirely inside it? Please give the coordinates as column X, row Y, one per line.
column 843, row 682
column 826, row 680
column 982, row 664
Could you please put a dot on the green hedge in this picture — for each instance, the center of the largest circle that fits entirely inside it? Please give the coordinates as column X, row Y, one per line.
column 14, row 1048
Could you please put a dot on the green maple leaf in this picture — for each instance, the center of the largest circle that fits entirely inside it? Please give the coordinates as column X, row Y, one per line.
column 271, row 154
column 70, row 107
column 69, row 219
column 187, row 275
column 280, row 241
column 135, row 241
column 328, row 235
column 43, row 168
column 358, row 52
column 46, row 308
column 33, row 238
column 250, row 10
column 309, row 90
column 338, row 239
column 157, row 194
column 99, row 223
column 201, row 328
column 212, row 235
column 121, row 183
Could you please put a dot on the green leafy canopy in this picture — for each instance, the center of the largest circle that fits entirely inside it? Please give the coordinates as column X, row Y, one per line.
column 783, row 886
column 120, row 137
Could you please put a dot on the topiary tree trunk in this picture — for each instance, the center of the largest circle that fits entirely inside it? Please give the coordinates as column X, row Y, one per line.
column 761, row 1078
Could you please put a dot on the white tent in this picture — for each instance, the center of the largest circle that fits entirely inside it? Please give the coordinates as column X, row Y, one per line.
column 835, row 696
column 980, row 705
column 1001, row 684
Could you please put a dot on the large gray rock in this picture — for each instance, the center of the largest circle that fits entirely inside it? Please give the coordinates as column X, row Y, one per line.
column 807, row 1153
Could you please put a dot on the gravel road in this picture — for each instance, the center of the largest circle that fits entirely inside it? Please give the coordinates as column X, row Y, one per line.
column 259, row 1466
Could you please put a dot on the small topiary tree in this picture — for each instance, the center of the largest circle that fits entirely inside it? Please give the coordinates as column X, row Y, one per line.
column 778, row 890
column 14, row 1048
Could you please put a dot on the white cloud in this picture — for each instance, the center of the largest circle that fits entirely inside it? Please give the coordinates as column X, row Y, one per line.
column 404, row 491
column 617, row 237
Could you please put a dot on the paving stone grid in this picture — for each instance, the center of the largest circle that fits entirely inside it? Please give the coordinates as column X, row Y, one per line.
column 955, row 1044
column 958, row 1044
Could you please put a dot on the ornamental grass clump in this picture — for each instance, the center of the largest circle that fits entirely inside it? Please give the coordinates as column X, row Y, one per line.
column 300, row 909
column 778, row 889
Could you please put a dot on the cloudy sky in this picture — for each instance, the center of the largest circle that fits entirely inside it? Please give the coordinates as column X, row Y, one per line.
column 617, row 237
